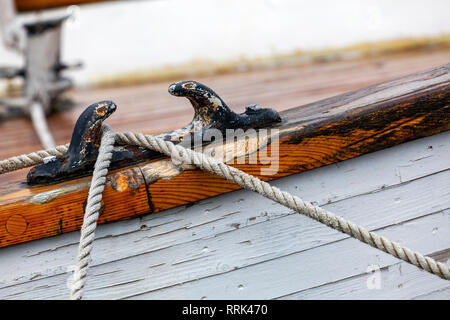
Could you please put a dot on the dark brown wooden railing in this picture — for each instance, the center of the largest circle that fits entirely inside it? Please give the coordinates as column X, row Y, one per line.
column 30, row 5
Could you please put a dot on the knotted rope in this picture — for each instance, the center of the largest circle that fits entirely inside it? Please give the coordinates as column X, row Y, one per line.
column 182, row 155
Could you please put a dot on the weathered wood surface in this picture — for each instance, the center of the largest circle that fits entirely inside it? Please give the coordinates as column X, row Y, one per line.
column 310, row 136
column 242, row 246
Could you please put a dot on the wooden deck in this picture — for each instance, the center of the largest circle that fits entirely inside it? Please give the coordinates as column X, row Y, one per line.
column 240, row 245
column 151, row 109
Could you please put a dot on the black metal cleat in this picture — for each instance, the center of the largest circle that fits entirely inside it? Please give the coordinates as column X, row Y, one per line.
column 210, row 112
column 214, row 113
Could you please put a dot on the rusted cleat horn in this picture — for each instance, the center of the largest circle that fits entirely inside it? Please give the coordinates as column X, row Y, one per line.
column 83, row 148
column 210, row 112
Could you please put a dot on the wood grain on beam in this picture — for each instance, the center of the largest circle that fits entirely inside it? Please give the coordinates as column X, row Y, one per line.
column 29, row 5
column 310, row 136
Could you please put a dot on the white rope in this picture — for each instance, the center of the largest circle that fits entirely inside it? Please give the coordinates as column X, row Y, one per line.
column 40, row 125
column 181, row 155
column 91, row 214
column 31, row 159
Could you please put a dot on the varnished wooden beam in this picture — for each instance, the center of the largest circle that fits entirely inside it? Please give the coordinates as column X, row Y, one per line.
column 30, row 5
column 310, row 136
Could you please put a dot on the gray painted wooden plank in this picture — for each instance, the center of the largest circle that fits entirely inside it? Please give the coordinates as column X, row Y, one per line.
column 312, row 268
column 214, row 226
column 242, row 246
column 147, row 240
column 328, row 263
column 435, row 295
column 398, row 281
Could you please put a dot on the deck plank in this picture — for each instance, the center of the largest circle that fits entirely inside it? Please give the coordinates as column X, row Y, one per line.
column 397, row 281
column 149, row 108
column 309, row 268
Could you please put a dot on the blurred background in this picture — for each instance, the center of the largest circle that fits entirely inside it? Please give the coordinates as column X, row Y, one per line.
column 277, row 53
